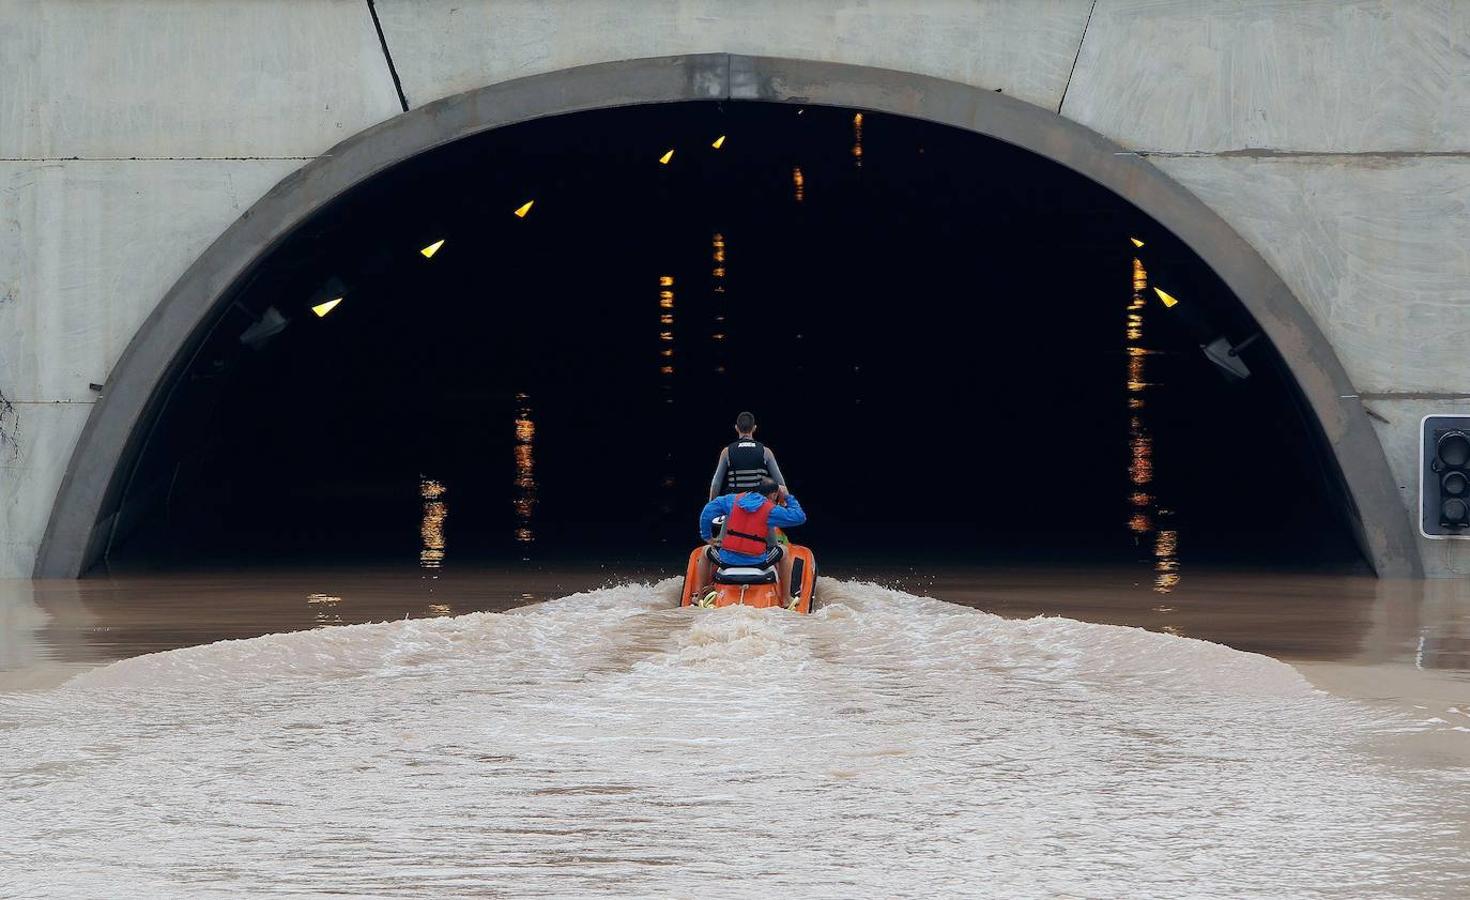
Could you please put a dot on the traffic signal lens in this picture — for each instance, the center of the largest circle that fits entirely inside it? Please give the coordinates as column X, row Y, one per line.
column 1454, row 449
column 1455, row 484
column 1455, row 513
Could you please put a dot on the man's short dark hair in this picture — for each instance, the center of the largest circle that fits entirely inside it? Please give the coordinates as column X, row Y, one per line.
column 767, row 487
column 745, row 422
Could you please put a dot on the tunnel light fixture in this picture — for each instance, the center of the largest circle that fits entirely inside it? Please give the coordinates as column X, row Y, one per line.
column 1227, row 356
column 719, row 142
column 429, row 251
column 269, row 324
column 524, row 208
column 1168, row 299
column 664, row 160
column 325, row 298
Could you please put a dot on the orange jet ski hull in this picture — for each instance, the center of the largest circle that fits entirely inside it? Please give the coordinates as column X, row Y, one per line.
column 795, row 580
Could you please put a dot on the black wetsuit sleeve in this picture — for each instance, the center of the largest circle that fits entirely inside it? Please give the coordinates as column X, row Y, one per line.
column 774, row 469
column 720, row 469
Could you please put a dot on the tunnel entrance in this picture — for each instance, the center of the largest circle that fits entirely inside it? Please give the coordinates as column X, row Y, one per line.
column 530, row 344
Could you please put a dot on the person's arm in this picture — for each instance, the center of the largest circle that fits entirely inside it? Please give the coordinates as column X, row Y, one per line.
column 774, row 469
column 721, row 468
column 789, row 515
column 720, row 506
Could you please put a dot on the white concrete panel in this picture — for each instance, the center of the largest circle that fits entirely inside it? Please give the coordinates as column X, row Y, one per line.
column 37, row 444
column 1400, row 437
column 1342, row 75
column 443, row 47
column 1378, row 249
column 182, row 78
column 88, row 248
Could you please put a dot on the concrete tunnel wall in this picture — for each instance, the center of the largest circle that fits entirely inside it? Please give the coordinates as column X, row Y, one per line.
column 1330, row 136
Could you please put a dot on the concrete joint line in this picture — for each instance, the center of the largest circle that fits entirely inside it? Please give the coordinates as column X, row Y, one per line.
column 1078, row 55
column 387, row 56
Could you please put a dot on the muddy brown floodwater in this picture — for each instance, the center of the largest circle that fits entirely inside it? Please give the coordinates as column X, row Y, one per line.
column 567, row 731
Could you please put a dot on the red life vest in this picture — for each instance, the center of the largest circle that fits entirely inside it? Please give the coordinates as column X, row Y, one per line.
column 746, row 531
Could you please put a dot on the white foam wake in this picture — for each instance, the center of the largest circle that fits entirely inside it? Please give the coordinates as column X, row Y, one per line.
column 607, row 742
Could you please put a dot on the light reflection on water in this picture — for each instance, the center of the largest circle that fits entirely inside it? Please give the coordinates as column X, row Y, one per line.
column 325, row 609
column 666, row 335
column 525, row 480
column 431, row 523
column 718, row 306
column 667, row 371
column 1143, row 519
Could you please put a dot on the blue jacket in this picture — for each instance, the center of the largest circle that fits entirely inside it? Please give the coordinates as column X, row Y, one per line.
column 781, row 517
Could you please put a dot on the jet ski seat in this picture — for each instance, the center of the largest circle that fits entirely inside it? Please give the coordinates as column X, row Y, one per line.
column 745, row 575
column 762, row 574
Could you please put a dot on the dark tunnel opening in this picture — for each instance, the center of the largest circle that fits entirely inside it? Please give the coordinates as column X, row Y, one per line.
column 954, row 347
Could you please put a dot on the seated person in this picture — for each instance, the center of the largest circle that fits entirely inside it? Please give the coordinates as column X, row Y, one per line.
column 744, row 463
column 751, row 519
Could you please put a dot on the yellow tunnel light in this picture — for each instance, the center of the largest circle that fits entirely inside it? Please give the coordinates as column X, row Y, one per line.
column 433, row 248
column 719, row 142
column 525, row 208
column 321, row 309
column 666, row 157
column 1169, row 299
column 1136, row 242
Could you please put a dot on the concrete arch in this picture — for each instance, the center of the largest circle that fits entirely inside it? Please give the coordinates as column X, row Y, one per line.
column 82, row 516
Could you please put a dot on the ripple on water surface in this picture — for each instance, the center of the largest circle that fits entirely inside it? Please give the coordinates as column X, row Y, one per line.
column 888, row 745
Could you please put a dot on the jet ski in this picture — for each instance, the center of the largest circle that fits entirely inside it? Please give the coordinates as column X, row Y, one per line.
column 786, row 579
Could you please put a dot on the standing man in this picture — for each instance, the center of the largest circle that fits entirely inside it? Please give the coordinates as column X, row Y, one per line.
column 744, row 463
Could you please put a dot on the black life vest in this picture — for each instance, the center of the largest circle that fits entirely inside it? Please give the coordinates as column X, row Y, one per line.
column 747, row 466
column 745, row 531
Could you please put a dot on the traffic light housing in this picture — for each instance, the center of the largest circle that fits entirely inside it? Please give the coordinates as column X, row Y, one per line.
column 1444, row 477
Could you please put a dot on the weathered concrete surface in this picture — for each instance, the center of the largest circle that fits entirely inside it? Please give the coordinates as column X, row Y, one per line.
column 1378, row 249
column 180, row 78
column 444, row 47
column 86, row 249
column 1346, row 76
column 38, row 441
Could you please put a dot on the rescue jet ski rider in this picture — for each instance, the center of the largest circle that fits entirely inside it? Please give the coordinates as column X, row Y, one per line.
column 744, row 463
column 751, row 518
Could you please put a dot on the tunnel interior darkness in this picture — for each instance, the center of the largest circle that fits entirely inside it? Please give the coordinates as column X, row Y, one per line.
column 954, row 347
